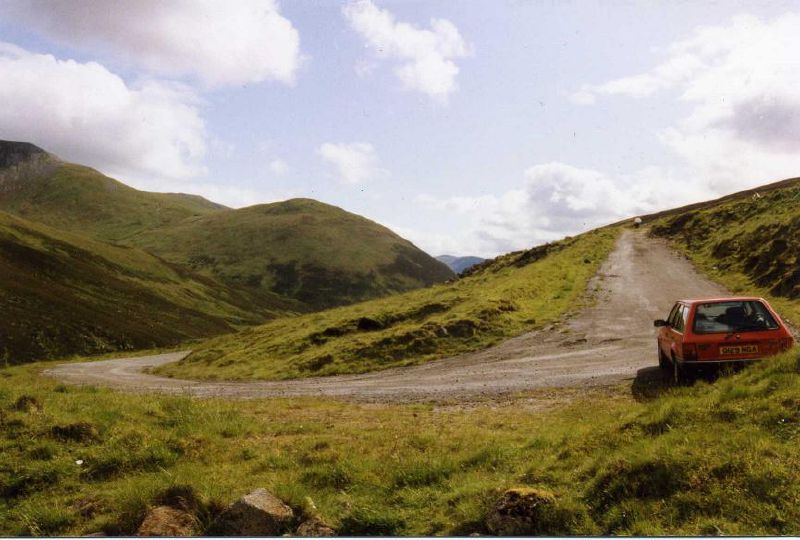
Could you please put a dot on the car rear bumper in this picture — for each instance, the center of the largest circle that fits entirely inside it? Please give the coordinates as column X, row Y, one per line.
column 717, row 362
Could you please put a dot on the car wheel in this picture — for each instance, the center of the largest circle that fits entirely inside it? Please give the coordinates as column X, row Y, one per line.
column 677, row 372
column 662, row 361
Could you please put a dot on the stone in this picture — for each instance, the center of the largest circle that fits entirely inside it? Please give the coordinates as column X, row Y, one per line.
column 521, row 511
column 314, row 527
column 259, row 513
column 167, row 521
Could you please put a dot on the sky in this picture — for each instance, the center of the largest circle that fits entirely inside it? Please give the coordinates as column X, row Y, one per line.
column 469, row 127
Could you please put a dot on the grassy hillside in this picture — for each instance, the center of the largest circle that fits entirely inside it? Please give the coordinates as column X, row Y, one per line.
column 62, row 294
column 710, row 459
column 302, row 249
column 81, row 200
column 749, row 242
column 499, row 299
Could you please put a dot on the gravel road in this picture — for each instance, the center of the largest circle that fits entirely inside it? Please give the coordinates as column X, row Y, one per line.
column 603, row 344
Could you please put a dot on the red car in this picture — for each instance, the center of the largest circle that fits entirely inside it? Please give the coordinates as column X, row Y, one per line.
column 717, row 331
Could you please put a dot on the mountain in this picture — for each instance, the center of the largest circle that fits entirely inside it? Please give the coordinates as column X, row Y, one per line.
column 63, row 294
column 303, row 249
column 459, row 264
column 196, row 267
column 38, row 186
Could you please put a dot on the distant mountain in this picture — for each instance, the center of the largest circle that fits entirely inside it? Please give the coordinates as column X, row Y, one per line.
column 459, row 264
column 303, row 249
column 296, row 255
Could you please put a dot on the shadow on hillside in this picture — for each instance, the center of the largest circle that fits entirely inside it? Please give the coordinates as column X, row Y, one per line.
column 651, row 382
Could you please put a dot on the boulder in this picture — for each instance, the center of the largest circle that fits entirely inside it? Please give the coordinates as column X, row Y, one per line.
column 521, row 511
column 259, row 513
column 314, row 526
column 167, row 521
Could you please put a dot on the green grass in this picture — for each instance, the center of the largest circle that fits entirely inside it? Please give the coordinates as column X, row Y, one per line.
column 719, row 457
column 749, row 244
column 502, row 298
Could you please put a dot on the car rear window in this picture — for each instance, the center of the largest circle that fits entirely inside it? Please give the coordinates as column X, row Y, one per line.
column 733, row 316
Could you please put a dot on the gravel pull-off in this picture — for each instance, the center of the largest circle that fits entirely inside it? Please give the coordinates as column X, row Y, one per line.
column 605, row 343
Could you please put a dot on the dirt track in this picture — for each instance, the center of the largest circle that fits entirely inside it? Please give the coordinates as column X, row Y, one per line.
column 604, row 344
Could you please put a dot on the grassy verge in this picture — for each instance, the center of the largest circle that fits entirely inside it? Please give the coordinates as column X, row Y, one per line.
column 708, row 459
column 503, row 298
column 748, row 244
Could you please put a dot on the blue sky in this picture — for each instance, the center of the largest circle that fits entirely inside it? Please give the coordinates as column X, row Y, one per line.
column 467, row 127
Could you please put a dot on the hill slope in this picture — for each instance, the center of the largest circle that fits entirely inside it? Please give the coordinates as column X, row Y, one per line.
column 749, row 241
column 39, row 187
column 499, row 299
column 302, row 249
column 63, row 294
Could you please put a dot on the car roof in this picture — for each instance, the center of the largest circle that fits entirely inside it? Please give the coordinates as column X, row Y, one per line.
column 721, row 299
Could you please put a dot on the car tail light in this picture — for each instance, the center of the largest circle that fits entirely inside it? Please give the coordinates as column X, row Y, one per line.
column 786, row 343
column 689, row 351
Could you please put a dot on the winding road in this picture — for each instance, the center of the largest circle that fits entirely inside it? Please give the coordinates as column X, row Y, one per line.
column 605, row 343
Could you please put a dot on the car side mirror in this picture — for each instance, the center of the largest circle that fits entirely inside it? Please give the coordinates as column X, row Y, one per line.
column 660, row 322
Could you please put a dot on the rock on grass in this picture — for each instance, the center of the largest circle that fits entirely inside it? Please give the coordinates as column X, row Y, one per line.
column 167, row 521
column 259, row 513
column 314, row 527
column 526, row 511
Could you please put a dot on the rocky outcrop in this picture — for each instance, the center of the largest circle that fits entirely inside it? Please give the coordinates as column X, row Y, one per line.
column 21, row 160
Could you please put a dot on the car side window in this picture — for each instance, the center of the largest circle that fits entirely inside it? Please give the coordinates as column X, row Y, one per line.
column 680, row 318
column 673, row 315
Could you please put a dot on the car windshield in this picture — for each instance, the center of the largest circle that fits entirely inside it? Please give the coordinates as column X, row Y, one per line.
column 732, row 316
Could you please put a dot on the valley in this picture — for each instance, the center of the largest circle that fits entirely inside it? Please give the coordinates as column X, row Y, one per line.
column 609, row 341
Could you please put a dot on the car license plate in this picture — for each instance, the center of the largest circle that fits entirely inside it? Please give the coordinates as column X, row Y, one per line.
column 738, row 349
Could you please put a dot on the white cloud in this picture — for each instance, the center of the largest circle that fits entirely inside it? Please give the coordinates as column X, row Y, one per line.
column 740, row 82
column 84, row 113
column 356, row 162
column 219, row 43
column 742, row 129
column 552, row 201
column 278, row 167
column 426, row 57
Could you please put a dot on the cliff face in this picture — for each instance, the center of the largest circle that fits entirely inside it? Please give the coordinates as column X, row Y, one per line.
column 19, row 160
column 12, row 153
